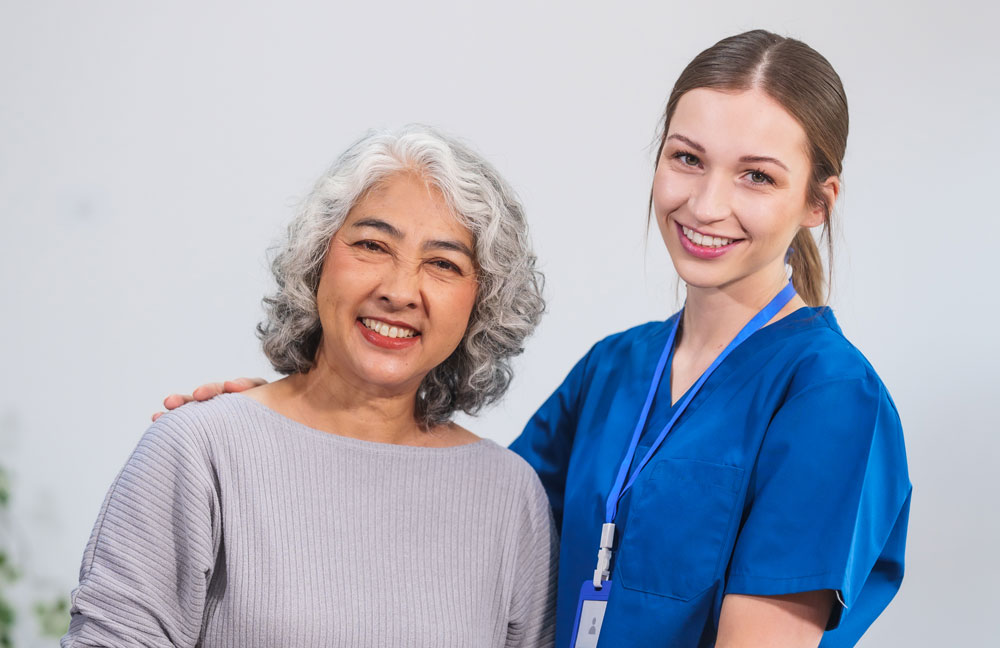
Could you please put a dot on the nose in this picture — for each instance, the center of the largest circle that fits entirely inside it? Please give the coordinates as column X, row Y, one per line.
column 710, row 200
column 399, row 287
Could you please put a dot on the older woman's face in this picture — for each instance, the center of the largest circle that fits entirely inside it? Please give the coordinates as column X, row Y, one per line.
column 397, row 287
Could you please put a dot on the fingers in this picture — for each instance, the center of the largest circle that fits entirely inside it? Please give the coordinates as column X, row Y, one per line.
column 242, row 384
column 173, row 401
column 207, row 391
column 210, row 390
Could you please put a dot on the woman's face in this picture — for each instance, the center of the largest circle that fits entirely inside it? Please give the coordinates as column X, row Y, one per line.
column 397, row 286
column 730, row 189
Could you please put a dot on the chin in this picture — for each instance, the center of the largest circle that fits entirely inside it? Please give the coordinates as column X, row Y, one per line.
column 392, row 381
column 701, row 277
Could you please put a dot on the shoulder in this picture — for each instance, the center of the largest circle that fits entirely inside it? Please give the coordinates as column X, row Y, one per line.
column 175, row 462
column 197, row 429
column 510, row 470
column 825, row 358
column 631, row 348
column 827, row 380
column 640, row 335
column 503, row 460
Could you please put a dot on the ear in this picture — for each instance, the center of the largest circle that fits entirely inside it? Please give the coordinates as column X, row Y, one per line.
column 830, row 191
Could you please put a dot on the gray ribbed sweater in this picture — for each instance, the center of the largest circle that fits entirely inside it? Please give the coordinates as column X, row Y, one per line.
column 232, row 525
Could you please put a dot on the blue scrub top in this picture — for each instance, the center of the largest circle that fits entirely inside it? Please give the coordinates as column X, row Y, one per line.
column 787, row 473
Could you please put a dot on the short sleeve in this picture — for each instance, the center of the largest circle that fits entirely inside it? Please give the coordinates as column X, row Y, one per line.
column 547, row 440
column 533, row 606
column 147, row 566
column 828, row 503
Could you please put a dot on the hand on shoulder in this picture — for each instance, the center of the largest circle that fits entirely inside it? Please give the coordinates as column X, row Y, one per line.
column 208, row 391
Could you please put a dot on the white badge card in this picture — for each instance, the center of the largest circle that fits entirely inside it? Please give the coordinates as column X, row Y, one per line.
column 589, row 615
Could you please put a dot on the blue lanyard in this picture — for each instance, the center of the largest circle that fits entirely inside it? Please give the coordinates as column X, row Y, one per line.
column 760, row 319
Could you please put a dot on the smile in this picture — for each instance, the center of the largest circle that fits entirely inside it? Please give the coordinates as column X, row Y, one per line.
column 388, row 330
column 702, row 246
column 705, row 241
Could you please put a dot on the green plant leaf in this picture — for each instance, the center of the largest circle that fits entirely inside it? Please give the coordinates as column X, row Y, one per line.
column 53, row 617
column 8, row 572
column 4, row 488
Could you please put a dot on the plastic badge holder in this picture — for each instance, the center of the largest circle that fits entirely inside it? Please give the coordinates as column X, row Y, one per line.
column 589, row 615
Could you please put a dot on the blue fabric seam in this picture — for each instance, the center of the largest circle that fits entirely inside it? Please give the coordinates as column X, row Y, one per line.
column 749, row 576
column 833, row 381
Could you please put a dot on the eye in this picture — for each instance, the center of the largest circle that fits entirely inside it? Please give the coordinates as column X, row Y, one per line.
column 444, row 264
column 370, row 246
column 686, row 158
column 758, row 177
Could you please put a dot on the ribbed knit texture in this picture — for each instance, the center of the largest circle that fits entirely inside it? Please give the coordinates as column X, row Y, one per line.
column 232, row 525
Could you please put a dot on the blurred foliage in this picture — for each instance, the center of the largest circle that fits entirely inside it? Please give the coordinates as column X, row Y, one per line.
column 52, row 616
column 8, row 574
column 4, row 488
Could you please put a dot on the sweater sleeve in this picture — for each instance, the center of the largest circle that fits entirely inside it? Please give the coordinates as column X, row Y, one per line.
column 533, row 606
column 147, row 566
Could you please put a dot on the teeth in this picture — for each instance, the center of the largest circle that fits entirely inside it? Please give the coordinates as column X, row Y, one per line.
column 705, row 241
column 388, row 331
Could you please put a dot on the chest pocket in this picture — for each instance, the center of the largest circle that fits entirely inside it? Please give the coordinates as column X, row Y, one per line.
column 678, row 526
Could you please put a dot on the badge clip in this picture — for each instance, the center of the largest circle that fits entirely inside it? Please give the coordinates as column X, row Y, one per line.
column 603, row 571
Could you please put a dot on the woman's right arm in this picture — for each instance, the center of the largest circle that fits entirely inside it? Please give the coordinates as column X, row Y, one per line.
column 547, row 440
column 146, row 569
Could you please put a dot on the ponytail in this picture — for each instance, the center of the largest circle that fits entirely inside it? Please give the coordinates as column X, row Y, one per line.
column 807, row 267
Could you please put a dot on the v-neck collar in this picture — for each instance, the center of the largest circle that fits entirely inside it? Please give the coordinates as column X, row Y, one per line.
column 659, row 415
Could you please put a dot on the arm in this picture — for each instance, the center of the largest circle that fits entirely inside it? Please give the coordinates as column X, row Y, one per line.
column 827, row 508
column 547, row 440
column 783, row 621
column 533, row 603
column 146, row 570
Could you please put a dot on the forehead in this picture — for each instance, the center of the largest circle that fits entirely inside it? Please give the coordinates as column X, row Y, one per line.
column 739, row 123
column 411, row 204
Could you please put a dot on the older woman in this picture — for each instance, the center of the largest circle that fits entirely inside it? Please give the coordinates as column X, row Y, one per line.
column 340, row 506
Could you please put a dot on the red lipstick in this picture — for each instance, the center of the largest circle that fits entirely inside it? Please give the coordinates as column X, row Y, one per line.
column 385, row 341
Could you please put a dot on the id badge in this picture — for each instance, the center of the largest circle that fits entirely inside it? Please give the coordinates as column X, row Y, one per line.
column 589, row 615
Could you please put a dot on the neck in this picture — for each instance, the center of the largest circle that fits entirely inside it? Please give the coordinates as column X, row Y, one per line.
column 326, row 400
column 713, row 316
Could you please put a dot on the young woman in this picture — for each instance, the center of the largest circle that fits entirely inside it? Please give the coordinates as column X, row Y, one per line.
column 735, row 475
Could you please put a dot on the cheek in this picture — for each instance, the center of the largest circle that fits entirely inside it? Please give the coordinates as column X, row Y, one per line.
column 344, row 279
column 767, row 219
column 465, row 300
column 454, row 304
column 669, row 193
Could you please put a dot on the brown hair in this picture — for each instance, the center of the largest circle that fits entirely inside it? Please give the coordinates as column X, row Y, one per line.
column 806, row 85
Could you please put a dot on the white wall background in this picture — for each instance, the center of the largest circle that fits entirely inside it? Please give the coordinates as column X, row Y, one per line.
column 150, row 152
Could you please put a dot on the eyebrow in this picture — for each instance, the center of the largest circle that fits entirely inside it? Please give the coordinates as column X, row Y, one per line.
column 380, row 225
column 763, row 158
column 436, row 244
column 690, row 142
column 746, row 158
column 454, row 246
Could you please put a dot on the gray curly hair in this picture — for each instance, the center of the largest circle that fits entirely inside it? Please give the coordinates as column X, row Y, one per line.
column 509, row 299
